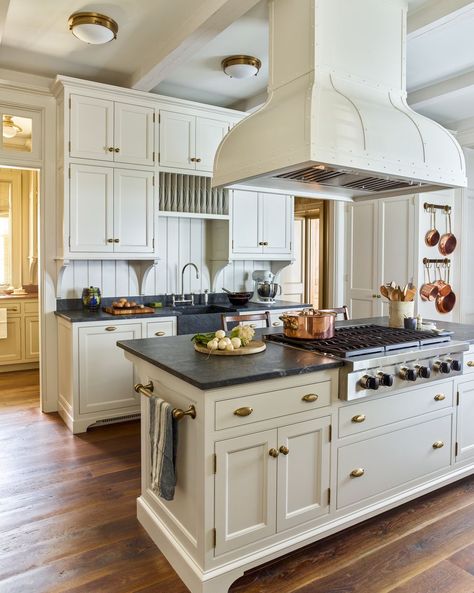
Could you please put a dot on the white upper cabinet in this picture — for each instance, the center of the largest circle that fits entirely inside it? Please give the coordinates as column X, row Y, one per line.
column 261, row 225
column 111, row 131
column 188, row 141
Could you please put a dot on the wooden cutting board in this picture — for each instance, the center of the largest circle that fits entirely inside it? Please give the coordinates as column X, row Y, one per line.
column 130, row 311
column 254, row 347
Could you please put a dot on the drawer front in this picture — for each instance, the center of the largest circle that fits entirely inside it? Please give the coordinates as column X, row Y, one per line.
column 373, row 466
column 160, row 329
column 263, row 406
column 469, row 362
column 12, row 308
column 31, row 307
column 365, row 415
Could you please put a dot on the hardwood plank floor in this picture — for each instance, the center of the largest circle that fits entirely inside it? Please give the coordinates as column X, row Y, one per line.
column 68, row 522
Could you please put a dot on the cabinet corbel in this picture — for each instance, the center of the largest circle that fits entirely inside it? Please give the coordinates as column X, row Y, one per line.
column 61, row 266
column 143, row 269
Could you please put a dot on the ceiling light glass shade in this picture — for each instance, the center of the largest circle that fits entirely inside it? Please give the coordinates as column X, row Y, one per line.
column 10, row 128
column 241, row 66
column 92, row 27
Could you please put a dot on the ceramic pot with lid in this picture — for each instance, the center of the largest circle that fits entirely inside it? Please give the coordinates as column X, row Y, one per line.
column 309, row 324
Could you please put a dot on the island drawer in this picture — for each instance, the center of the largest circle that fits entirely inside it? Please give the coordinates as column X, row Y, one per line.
column 12, row 308
column 375, row 466
column 263, row 406
column 367, row 414
column 469, row 362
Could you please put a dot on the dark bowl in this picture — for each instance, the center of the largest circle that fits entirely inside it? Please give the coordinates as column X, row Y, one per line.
column 239, row 298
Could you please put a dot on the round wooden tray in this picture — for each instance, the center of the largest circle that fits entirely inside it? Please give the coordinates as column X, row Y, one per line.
column 254, row 347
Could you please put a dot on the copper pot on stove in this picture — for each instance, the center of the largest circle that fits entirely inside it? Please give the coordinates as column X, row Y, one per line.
column 309, row 324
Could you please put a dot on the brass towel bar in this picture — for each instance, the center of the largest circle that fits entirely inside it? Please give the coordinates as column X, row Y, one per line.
column 178, row 414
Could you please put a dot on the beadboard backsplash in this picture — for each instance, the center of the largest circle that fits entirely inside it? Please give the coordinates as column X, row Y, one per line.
column 180, row 240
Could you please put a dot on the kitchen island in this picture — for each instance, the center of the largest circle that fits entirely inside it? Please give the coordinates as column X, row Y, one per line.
column 274, row 460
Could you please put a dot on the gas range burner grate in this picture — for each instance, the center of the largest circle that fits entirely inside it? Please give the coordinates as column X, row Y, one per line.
column 359, row 340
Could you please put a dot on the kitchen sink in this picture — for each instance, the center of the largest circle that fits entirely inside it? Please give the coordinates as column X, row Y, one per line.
column 204, row 309
column 195, row 319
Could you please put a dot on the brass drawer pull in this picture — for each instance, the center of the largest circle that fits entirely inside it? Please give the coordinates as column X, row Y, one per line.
column 439, row 397
column 243, row 412
column 359, row 418
column 310, row 397
column 357, row 473
column 470, row 363
column 273, row 453
column 110, row 328
column 284, row 450
column 160, row 333
column 276, row 323
column 438, row 444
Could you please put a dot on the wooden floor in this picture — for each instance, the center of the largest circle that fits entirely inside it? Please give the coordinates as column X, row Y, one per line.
column 67, row 522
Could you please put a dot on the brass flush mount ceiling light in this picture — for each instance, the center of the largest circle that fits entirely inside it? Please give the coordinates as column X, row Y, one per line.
column 241, row 66
column 10, row 128
column 92, row 27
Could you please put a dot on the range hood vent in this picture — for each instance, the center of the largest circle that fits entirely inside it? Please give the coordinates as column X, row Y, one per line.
column 336, row 123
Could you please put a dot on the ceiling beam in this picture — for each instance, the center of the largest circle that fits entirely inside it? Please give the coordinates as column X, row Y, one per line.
column 4, row 4
column 203, row 24
column 439, row 89
column 434, row 14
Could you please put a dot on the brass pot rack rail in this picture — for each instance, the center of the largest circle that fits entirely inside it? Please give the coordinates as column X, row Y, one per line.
column 178, row 414
column 445, row 261
column 430, row 207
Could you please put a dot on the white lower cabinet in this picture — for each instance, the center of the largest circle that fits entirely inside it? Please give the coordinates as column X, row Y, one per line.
column 95, row 379
column 465, row 421
column 20, row 348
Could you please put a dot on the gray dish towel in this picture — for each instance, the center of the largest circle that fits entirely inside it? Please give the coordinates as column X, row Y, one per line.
column 164, row 442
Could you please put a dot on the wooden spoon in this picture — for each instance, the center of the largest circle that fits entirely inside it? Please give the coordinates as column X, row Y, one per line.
column 404, row 293
column 384, row 291
column 411, row 293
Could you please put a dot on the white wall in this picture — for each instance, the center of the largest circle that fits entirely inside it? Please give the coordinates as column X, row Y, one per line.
column 180, row 240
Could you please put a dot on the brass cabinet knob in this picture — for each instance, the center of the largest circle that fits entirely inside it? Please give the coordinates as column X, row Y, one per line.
column 265, row 243
column 284, row 450
column 310, row 397
column 160, row 333
column 439, row 397
column 116, row 240
column 273, row 452
column 110, row 240
column 358, row 418
column 357, row 473
column 261, row 242
column 246, row 411
column 110, row 328
column 192, row 159
column 438, row 444
column 470, row 363
column 110, row 149
column 374, row 296
column 197, row 160
column 117, row 150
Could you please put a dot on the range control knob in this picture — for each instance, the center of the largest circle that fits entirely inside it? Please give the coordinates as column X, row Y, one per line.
column 408, row 374
column 442, row 366
column 423, row 371
column 385, row 379
column 456, row 365
column 369, row 382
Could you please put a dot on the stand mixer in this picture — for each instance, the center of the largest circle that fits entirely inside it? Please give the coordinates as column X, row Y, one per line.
column 265, row 289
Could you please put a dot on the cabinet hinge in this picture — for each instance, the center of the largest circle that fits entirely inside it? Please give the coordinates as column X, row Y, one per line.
column 69, row 146
column 291, row 245
column 456, row 448
column 153, row 117
column 457, row 398
column 214, row 537
column 153, row 156
column 153, row 242
column 159, row 156
column 69, row 241
column 329, row 496
column 70, row 102
column 228, row 128
column 159, row 118
column 153, row 180
column 232, row 243
column 69, row 172
column 214, row 462
column 330, row 433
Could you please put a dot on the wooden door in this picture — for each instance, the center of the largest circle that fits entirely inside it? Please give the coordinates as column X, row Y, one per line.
column 292, row 278
column 91, row 209
column 276, row 226
column 209, row 133
column 106, row 377
column 91, row 128
column 465, row 421
column 10, row 347
column 246, row 223
column 303, row 473
column 245, row 492
column 32, row 342
column 177, row 140
column 133, row 211
column 134, row 134
column 362, row 263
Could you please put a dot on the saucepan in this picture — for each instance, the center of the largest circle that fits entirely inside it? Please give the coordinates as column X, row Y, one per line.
column 447, row 242
column 445, row 303
column 309, row 324
column 432, row 236
column 429, row 290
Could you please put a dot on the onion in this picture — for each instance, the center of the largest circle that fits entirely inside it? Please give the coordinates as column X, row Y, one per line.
column 236, row 342
column 229, row 348
column 222, row 345
column 220, row 333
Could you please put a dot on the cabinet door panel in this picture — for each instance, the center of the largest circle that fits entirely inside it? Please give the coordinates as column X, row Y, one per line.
column 91, row 209
column 245, row 498
column 91, row 128
column 303, row 474
column 209, row 133
column 10, row 347
column 133, row 134
column 31, row 338
column 245, row 222
column 276, row 223
column 177, row 140
column 133, row 211
column 465, row 421
column 106, row 377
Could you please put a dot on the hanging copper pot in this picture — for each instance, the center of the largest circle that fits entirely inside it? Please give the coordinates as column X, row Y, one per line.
column 447, row 243
column 432, row 236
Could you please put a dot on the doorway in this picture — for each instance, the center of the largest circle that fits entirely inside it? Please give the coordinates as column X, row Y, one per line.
column 305, row 280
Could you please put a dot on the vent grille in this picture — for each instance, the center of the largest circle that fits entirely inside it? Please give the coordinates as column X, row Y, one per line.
column 346, row 179
column 135, row 416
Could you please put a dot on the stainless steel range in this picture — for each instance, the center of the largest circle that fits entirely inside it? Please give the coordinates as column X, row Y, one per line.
column 380, row 359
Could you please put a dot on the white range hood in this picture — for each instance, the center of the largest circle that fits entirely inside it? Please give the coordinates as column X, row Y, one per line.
column 336, row 123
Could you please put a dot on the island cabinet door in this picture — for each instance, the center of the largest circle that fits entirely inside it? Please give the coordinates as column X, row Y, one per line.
column 303, row 472
column 245, row 490
column 465, row 421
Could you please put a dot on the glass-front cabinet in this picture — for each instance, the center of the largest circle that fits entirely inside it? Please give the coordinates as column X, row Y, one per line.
column 21, row 137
